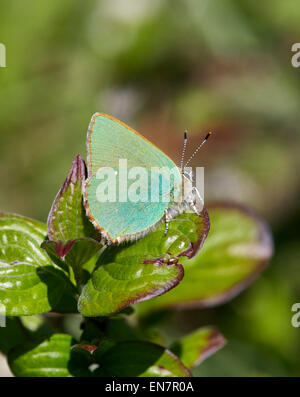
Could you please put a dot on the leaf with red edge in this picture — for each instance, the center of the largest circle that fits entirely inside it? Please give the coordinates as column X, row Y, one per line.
column 72, row 236
column 67, row 220
column 195, row 347
column 237, row 249
column 135, row 272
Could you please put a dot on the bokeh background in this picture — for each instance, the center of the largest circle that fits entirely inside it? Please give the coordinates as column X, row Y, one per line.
column 163, row 66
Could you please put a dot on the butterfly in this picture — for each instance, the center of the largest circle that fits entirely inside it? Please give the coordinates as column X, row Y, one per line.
column 118, row 155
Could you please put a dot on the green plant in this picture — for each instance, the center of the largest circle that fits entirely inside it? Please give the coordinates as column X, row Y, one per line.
column 62, row 267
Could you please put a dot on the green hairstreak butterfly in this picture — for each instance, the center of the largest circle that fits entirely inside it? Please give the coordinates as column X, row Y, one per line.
column 116, row 155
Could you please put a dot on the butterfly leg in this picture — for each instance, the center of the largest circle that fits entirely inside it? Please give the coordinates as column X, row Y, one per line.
column 193, row 206
column 168, row 217
column 195, row 195
column 166, row 222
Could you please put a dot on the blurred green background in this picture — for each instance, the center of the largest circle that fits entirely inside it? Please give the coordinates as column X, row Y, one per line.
column 163, row 66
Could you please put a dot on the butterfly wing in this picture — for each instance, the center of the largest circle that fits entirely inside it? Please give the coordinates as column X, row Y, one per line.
column 108, row 141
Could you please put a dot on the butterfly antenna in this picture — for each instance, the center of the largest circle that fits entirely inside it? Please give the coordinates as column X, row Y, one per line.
column 198, row 148
column 183, row 150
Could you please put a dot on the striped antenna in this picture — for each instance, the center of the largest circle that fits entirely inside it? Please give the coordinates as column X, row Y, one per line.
column 198, row 148
column 183, row 150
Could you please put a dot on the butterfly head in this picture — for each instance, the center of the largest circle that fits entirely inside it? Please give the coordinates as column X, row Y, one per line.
column 187, row 172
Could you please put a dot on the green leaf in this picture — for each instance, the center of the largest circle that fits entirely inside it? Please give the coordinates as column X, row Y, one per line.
column 28, row 289
column 142, row 359
column 52, row 356
column 30, row 283
column 60, row 355
column 20, row 240
column 236, row 251
column 72, row 236
column 192, row 349
column 138, row 271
